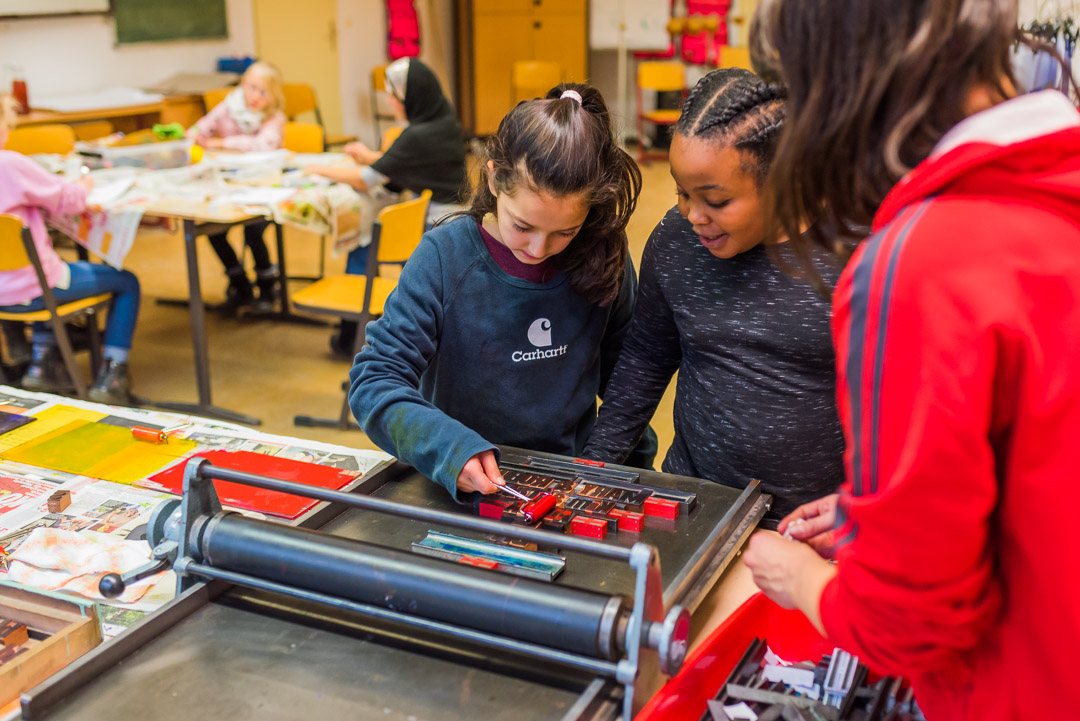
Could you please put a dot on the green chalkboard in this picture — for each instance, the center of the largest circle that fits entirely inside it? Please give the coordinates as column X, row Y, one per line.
column 146, row 21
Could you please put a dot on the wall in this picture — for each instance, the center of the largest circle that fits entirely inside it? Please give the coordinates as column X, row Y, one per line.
column 72, row 54
column 362, row 46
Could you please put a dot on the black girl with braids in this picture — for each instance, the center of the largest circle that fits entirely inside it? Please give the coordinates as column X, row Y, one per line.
column 507, row 319
column 751, row 344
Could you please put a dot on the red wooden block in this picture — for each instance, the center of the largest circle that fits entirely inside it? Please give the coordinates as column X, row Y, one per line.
column 590, row 527
column 661, row 508
column 491, row 507
column 558, row 520
column 628, row 520
column 478, row 562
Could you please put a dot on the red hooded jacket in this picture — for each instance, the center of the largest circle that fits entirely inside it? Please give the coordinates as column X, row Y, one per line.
column 957, row 327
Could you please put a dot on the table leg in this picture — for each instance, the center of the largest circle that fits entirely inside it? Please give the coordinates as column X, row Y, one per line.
column 286, row 314
column 198, row 340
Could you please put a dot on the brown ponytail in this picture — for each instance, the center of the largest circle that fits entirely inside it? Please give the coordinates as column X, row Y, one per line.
column 560, row 147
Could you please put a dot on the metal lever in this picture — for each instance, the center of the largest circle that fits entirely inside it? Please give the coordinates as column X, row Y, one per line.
column 112, row 585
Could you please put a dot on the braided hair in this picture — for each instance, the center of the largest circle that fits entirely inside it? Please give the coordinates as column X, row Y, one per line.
column 734, row 107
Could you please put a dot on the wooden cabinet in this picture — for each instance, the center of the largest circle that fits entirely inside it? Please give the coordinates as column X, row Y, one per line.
column 497, row 33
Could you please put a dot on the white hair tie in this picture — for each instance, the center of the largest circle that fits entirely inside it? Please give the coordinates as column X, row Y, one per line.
column 571, row 94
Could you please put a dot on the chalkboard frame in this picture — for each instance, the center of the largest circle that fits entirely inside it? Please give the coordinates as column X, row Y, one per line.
column 170, row 32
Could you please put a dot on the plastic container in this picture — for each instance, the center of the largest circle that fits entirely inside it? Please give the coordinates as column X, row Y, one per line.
column 790, row 635
column 234, row 65
column 154, row 156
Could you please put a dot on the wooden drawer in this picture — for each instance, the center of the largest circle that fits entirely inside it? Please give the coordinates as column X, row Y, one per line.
column 62, row 629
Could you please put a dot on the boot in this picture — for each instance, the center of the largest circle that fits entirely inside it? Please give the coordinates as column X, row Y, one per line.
column 48, row 374
column 266, row 280
column 239, row 293
column 113, row 384
column 341, row 343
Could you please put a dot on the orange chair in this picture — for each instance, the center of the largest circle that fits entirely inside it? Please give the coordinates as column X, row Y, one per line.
column 659, row 77
column 300, row 99
column 398, row 230
column 93, row 129
column 17, row 250
column 213, row 97
column 378, row 84
column 53, row 138
column 389, row 136
column 533, row 78
column 303, row 138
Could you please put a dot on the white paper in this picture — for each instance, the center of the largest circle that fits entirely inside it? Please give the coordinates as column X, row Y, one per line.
column 109, row 192
column 96, row 100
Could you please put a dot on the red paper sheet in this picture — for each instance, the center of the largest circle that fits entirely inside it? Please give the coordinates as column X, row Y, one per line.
column 171, row 480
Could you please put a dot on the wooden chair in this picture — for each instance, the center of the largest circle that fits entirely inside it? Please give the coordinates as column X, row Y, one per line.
column 378, row 84
column 93, row 129
column 533, row 79
column 52, row 138
column 360, row 298
column 303, row 137
column 300, row 99
column 17, row 250
column 658, row 76
column 389, row 136
column 213, row 97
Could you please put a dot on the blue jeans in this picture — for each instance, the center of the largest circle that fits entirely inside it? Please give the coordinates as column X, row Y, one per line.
column 356, row 260
column 87, row 280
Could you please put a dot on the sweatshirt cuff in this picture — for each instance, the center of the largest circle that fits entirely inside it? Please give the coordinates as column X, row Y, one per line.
column 457, row 459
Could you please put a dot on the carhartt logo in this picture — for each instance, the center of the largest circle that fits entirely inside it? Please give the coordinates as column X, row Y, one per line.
column 539, row 336
column 540, row 333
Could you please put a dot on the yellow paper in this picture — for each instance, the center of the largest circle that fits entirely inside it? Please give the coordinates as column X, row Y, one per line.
column 47, row 421
column 99, row 450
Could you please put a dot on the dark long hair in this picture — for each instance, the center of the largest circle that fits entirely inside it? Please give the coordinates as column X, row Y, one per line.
column 558, row 146
column 872, row 87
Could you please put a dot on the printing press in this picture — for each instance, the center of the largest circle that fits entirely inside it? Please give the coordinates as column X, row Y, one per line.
column 334, row 616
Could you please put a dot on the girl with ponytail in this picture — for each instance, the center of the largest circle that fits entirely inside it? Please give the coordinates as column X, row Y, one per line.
column 507, row 319
column 751, row 344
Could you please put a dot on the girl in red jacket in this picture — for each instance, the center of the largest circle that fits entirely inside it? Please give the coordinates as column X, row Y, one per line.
column 957, row 328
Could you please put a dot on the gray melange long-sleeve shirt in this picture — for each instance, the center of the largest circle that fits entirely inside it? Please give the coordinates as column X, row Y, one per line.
column 755, row 396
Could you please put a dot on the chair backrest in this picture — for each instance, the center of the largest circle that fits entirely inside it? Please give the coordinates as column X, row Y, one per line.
column 533, row 78
column 661, row 76
column 734, row 58
column 93, row 129
column 53, row 138
column 303, row 138
column 378, row 77
column 389, row 136
column 12, row 248
column 299, row 99
column 400, row 228
column 213, row 97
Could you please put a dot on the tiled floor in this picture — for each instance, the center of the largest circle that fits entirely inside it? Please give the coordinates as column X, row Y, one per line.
column 274, row 371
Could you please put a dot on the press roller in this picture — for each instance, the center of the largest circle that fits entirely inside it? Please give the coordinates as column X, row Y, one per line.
column 585, row 630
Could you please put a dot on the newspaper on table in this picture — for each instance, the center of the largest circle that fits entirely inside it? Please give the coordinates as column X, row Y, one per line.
column 101, row 507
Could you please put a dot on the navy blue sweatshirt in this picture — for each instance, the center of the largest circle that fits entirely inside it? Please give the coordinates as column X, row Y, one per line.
column 466, row 356
column 756, row 392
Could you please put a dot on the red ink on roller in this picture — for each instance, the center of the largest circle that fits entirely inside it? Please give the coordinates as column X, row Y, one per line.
column 538, row 507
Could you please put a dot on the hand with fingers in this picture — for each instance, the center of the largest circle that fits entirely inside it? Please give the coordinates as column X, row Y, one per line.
column 481, row 473
column 813, row 523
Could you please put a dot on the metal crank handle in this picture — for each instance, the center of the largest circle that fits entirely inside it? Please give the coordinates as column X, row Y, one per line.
column 112, row 585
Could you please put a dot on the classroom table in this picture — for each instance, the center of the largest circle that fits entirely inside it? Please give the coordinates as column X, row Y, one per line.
column 184, row 109
column 202, row 219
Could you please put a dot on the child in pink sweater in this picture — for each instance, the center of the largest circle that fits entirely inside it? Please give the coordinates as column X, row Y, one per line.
column 251, row 117
column 26, row 190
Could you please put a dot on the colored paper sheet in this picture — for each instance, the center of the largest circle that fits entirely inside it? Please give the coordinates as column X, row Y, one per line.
column 48, row 420
column 99, row 450
column 171, row 480
column 11, row 421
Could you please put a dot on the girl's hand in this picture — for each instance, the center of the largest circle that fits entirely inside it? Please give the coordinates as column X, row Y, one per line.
column 87, row 183
column 790, row 573
column 214, row 143
column 356, row 149
column 481, row 473
column 813, row 523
